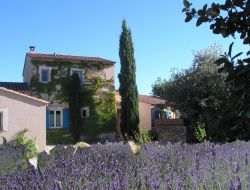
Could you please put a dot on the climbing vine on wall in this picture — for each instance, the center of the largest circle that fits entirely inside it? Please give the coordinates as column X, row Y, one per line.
column 97, row 92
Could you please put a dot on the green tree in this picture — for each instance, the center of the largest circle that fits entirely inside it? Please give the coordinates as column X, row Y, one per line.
column 228, row 19
column 128, row 88
column 199, row 93
column 75, row 99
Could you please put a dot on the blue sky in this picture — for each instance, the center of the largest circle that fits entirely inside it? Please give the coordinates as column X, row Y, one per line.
column 162, row 40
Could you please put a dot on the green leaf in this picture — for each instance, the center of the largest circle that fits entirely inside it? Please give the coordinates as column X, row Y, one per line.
column 221, row 60
column 185, row 9
column 199, row 22
column 205, row 7
column 246, row 60
column 186, row 3
column 246, row 40
column 230, row 49
column 239, row 54
column 189, row 17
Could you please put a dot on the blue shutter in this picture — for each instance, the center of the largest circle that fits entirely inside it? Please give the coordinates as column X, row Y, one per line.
column 157, row 114
column 65, row 118
column 47, row 118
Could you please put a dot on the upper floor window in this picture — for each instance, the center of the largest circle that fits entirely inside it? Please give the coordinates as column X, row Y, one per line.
column 85, row 112
column 45, row 73
column 79, row 72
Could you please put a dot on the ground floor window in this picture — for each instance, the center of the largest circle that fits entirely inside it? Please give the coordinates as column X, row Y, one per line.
column 55, row 117
column 1, row 121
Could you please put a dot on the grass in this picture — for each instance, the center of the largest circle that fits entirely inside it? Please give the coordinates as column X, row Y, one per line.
column 63, row 136
column 58, row 136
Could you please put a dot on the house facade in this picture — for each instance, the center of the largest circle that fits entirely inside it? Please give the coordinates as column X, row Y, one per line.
column 47, row 74
column 46, row 77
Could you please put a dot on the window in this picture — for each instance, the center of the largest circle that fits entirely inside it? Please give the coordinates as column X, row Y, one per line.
column 3, row 119
column 55, row 117
column 85, row 112
column 79, row 73
column 44, row 73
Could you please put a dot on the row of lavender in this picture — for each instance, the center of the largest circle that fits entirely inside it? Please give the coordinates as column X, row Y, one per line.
column 114, row 166
column 11, row 156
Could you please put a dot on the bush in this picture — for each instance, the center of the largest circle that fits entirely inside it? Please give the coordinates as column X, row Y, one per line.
column 200, row 132
column 142, row 137
column 30, row 145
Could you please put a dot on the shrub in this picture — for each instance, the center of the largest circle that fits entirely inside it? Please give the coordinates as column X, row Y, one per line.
column 200, row 132
column 30, row 145
column 142, row 137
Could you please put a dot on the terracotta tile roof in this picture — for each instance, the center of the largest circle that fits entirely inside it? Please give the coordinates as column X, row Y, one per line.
column 143, row 98
column 16, row 86
column 53, row 57
column 151, row 100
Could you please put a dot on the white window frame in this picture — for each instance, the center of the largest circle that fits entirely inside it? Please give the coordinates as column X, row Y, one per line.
column 40, row 74
column 55, row 109
column 87, row 112
column 4, row 124
column 78, row 70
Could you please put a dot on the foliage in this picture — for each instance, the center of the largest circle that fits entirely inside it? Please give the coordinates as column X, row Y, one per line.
column 199, row 93
column 29, row 144
column 142, row 137
column 102, row 105
column 227, row 19
column 58, row 136
column 82, row 145
column 113, row 166
column 75, row 99
column 100, row 97
column 128, row 89
column 200, row 132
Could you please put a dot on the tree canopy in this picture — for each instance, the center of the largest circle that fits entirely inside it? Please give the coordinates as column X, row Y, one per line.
column 199, row 93
column 228, row 19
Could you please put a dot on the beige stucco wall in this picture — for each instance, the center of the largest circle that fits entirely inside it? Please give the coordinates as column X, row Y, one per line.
column 24, row 113
column 28, row 70
column 145, row 115
column 109, row 72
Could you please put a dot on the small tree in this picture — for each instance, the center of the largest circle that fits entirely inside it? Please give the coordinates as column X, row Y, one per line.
column 128, row 89
column 199, row 92
column 227, row 19
column 75, row 100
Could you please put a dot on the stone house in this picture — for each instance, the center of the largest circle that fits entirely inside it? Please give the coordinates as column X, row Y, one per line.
column 45, row 76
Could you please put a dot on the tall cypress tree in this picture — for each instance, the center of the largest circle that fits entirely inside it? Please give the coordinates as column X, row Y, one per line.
column 75, row 100
column 128, row 88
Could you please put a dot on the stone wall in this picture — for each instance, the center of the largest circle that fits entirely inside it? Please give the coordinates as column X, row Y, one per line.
column 170, row 133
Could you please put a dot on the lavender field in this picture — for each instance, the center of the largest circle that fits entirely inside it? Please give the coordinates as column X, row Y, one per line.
column 114, row 166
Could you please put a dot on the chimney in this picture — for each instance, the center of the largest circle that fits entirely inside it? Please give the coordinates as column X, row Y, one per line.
column 32, row 49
